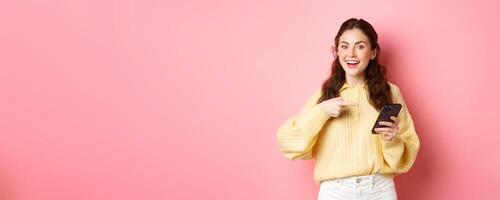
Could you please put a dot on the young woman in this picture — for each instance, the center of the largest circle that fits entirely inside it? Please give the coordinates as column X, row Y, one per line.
column 334, row 127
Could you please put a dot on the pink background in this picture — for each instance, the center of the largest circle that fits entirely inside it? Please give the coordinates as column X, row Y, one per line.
column 182, row 100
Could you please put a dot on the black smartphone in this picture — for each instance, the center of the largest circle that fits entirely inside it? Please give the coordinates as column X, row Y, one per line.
column 386, row 112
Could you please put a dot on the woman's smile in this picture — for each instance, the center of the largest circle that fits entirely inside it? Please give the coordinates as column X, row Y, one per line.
column 352, row 63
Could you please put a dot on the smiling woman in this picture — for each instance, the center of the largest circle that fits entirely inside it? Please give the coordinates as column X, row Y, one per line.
column 334, row 127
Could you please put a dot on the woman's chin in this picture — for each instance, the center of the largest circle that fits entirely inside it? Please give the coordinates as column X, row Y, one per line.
column 355, row 71
column 352, row 72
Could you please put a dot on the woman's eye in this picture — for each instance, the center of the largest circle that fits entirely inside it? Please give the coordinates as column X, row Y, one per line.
column 343, row 47
column 361, row 47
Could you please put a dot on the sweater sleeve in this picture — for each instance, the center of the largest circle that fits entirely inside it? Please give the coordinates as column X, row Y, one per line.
column 400, row 153
column 297, row 136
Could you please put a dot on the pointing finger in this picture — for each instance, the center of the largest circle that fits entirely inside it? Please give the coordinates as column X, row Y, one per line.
column 348, row 103
column 335, row 99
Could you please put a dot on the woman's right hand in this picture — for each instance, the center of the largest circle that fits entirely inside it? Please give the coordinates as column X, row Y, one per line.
column 335, row 106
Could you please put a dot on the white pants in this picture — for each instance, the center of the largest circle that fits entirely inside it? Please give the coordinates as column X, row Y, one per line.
column 358, row 187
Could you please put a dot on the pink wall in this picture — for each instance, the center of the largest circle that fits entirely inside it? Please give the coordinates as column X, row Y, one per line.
column 182, row 100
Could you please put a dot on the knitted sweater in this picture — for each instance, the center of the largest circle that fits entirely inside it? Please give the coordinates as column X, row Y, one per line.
column 344, row 146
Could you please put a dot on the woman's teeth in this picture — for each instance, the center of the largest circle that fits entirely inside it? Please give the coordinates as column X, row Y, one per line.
column 352, row 64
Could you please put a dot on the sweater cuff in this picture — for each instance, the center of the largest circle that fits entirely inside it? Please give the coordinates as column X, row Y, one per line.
column 393, row 143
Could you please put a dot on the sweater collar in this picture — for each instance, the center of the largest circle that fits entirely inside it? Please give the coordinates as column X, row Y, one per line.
column 345, row 86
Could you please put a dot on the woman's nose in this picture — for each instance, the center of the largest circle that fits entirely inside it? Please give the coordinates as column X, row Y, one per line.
column 351, row 53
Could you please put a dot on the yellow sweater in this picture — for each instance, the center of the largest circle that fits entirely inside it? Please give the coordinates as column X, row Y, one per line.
column 344, row 146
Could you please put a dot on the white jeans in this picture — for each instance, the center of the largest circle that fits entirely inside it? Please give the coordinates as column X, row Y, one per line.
column 358, row 187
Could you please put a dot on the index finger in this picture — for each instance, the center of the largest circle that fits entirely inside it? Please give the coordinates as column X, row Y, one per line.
column 348, row 103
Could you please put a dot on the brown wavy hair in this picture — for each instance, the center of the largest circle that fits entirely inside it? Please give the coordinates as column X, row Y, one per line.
column 375, row 74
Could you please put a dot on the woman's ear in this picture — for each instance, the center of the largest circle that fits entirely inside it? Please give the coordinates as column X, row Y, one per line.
column 374, row 53
column 334, row 51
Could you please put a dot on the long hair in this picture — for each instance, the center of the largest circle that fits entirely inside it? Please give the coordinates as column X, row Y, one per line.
column 375, row 74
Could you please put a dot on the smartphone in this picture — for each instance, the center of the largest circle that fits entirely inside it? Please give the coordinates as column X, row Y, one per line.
column 387, row 111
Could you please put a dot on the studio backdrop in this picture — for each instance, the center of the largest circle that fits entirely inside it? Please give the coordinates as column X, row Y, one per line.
column 156, row 99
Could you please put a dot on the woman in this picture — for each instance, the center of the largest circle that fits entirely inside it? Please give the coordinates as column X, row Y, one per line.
column 334, row 127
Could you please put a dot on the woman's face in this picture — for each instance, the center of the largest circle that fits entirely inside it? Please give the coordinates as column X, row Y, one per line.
column 354, row 52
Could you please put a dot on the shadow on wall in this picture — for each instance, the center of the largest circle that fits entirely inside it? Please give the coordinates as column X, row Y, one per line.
column 5, row 187
column 418, row 182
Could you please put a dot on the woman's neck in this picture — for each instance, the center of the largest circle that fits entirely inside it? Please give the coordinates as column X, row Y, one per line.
column 355, row 81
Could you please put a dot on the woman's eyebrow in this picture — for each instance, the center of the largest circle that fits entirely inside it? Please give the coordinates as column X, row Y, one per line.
column 354, row 43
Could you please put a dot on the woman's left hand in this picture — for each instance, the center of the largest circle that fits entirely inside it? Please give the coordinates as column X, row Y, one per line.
column 390, row 131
